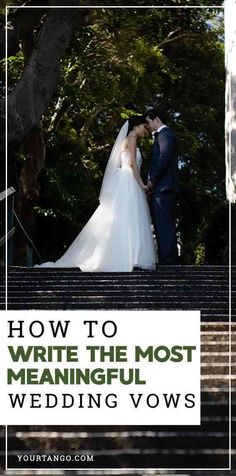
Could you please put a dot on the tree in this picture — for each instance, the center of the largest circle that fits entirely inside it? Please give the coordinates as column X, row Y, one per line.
column 121, row 62
column 30, row 98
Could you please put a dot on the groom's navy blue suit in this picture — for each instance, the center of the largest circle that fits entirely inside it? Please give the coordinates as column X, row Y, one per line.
column 163, row 174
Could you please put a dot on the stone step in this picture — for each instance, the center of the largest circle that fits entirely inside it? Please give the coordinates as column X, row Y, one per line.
column 173, row 440
column 137, row 288
column 163, row 281
column 222, row 358
column 117, row 472
column 161, row 272
column 217, row 327
column 213, row 424
column 104, row 304
column 219, row 336
column 143, row 458
column 167, row 272
column 182, row 267
column 117, row 298
column 207, row 315
column 158, row 445
column 169, row 287
column 181, row 287
column 167, row 284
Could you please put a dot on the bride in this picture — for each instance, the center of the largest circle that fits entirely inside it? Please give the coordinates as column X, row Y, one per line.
column 118, row 236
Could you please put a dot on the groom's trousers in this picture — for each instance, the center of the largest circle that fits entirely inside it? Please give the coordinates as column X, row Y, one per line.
column 164, row 211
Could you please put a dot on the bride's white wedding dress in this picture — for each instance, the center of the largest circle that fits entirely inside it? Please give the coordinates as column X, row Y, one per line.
column 118, row 236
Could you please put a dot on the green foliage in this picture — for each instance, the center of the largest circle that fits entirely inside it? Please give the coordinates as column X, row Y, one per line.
column 14, row 68
column 199, row 253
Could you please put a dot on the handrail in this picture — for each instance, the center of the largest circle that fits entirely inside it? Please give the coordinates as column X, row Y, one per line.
column 27, row 236
column 3, row 196
column 8, row 236
column 7, row 193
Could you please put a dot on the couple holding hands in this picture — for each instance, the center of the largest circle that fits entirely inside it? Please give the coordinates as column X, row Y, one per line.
column 118, row 237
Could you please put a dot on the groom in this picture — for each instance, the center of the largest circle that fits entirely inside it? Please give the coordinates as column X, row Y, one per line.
column 163, row 184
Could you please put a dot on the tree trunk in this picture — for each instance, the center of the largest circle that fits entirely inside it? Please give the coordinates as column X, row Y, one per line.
column 35, row 154
column 33, row 93
column 16, row 22
column 29, row 100
column 34, row 143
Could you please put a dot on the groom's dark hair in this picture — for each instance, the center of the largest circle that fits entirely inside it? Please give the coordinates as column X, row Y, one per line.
column 155, row 112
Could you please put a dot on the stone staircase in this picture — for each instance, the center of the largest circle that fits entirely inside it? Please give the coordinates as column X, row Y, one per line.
column 169, row 287
column 202, row 448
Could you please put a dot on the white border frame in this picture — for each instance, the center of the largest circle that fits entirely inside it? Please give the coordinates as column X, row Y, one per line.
column 230, row 245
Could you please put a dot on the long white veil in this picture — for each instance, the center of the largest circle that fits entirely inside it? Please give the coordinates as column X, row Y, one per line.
column 113, row 165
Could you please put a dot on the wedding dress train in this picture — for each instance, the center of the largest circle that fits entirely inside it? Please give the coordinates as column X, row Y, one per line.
column 118, row 236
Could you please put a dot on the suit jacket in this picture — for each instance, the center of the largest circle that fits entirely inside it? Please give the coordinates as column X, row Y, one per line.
column 163, row 171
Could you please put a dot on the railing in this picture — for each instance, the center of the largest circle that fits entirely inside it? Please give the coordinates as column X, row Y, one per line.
column 11, row 214
column 9, row 196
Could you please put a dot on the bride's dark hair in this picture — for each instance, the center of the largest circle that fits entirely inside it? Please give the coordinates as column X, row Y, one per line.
column 135, row 121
